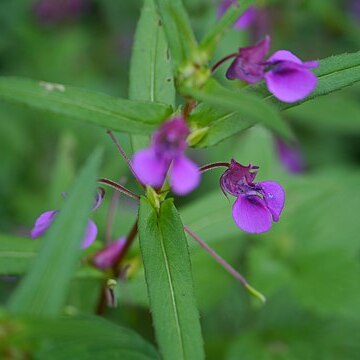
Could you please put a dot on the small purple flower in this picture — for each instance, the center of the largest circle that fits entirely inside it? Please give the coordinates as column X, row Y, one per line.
column 245, row 20
column 290, row 156
column 286, row 76
column 106, row 257
column 44, row 221
column 55, row 11
column 166, row 155
column 257, row 204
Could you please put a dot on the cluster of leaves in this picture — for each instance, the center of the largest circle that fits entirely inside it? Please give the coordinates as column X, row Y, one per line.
column 305, row 260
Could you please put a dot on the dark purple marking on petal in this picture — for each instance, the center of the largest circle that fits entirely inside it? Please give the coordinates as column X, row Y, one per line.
column 184, row 175
column 249, row 65
column 274, row 196
column 251, row 214
column 42, row 223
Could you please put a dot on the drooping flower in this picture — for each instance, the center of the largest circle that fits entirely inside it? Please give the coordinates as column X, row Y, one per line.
column 290, row 156
column 106, row 257
column 257, row 204
column 166, row 154
column 286, row 76
column 44, row 221
column 245, row 20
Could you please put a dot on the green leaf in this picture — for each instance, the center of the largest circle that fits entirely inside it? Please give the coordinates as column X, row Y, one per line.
column 135, row 117
column 44, row 288
column 217, row 32
column 334, row 73
column 340, row 114
column 221, row 124
column 169, row 281
column 151, row 77
column 178, row 29
column 87, row 338
column 16, row 254
column 251, row 108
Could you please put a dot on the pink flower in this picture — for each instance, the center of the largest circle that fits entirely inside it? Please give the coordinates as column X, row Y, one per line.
column 245, row 20
column 257, row 204
column 286, row 76
column 166, row 155
column 106, row 257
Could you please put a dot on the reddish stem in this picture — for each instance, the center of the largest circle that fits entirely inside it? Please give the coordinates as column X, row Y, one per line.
column 221, row 61
column 119, row 187
column 213, row 166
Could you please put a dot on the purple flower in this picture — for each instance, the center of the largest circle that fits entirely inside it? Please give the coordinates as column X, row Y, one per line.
column 166, row 155
column 44, row 221
column 55, row 11
column 257, row 204
column 106, row 257
column 286, row 76
column 245, row 20
column 290, row 156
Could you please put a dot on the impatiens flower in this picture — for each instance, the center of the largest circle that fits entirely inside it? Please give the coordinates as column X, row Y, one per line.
column 167, row 155
column 245, row 20
column 286, row 76
column 257, row 204
column 44, row 221
column 290, row 156
column 106, row 257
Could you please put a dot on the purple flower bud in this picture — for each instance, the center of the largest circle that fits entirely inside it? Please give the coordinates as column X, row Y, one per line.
column 44, row 221
column 286, row 76
column 166, row 155
column 106, row 257
column 245, row 20
column 257, row 204
column 249, row 64
column 290, row 156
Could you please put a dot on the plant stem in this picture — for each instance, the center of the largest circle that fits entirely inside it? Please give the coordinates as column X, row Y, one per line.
column 119, row 187
column 213, row 166
column 226, row 265
column 123, row 153
column 102, row 303
column 221, row 61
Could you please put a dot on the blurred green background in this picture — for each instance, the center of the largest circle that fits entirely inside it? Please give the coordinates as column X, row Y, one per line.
column 308, row 265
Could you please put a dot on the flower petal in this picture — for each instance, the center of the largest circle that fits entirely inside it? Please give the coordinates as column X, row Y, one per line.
column 274, row 196
column 184, row 176
column 100, row 193
column 290, row 82
column 106, row 257
column 284, row 55
column 251, row 214
column 90, row 235
column 42, row 223
column 150, row 169
column 249, row 65
column 290, row 156
column 246, row 19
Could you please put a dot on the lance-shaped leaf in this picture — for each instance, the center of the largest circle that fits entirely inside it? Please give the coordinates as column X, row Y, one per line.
column 44, row 289
column 178, row 29
column 134, row 117
column 16, row 254
column 169, row 281
column 151, row 77
column 223, row 25
column 89, row 338
column 249, row 107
